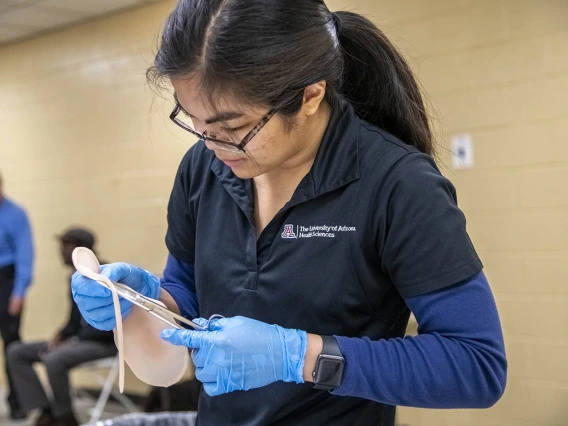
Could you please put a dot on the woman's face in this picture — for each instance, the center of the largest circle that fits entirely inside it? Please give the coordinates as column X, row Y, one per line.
column 274, row 146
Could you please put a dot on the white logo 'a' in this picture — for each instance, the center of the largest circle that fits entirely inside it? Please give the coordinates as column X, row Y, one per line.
column 288, row 232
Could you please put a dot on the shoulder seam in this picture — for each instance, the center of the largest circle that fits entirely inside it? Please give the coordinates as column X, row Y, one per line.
column 400, row 144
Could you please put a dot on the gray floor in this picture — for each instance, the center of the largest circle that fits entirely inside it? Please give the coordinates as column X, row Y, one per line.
column 82, row 408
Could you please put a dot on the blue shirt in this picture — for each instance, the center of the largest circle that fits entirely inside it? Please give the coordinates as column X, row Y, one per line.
column 456, row 361
column 16, row 247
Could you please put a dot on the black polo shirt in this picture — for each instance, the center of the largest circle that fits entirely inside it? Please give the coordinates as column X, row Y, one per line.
column 372, row 222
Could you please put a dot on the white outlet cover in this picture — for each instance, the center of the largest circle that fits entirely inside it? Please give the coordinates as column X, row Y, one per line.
column 462, row 151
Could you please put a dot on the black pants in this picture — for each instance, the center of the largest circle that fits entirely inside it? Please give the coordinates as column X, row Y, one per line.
column 9, row 325
column 58, row 363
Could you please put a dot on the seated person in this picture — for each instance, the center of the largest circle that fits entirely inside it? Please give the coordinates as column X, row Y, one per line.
column 76, row 343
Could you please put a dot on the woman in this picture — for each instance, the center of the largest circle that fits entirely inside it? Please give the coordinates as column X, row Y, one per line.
column 312, row 201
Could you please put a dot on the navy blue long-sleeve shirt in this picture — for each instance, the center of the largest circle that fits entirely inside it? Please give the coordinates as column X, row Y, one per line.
column 16, row 247
column 456, row 361
column 179, row 281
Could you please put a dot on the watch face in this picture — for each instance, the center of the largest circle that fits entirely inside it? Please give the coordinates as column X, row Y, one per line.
column 329, row 371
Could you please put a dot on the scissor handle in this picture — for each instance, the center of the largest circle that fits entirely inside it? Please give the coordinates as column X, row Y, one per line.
column 211, row 318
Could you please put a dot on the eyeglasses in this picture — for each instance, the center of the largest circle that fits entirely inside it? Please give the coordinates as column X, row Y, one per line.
column 221, row 144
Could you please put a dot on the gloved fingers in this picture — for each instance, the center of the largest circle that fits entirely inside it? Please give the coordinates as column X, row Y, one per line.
column 217, row 324
column 213, row 389
column 92, row 306
column 200, row 321
column 104, row 318
column 200, row 357
column 189, row 338
column 234, row 322
column 100, row 313
column 105, row 325
column 87, row 287
column 118, row 272
column 205, row 375
column 210, row 381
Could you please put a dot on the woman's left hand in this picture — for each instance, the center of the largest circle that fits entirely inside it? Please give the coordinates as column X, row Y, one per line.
column 241, row 353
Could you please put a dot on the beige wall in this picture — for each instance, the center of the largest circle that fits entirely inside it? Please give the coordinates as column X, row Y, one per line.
column 76, row 147
column 499, row 70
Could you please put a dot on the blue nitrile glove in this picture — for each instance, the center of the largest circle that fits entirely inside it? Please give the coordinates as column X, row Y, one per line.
column 95, row 301
column 241, row 353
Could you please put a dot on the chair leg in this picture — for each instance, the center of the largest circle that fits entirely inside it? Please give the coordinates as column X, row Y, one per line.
column 105, row 392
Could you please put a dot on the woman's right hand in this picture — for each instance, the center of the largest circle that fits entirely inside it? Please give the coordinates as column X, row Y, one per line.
column 95, row 301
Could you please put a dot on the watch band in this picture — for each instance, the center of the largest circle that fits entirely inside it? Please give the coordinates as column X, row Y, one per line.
column 329, row 365
column 330, row 346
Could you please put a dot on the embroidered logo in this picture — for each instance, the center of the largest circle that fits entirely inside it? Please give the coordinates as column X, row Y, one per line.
column 315, row 231
column 289, row 232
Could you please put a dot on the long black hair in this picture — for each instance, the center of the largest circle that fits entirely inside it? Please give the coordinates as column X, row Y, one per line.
column 266, row 52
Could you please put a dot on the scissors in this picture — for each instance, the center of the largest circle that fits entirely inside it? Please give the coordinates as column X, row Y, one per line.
column 155, row 307
column 88, row 265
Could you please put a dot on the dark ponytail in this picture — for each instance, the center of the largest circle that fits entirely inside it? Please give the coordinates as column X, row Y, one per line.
column 266, row 52
column 379, row 83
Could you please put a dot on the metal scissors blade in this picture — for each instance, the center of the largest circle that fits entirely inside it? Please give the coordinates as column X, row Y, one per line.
column 153, row 307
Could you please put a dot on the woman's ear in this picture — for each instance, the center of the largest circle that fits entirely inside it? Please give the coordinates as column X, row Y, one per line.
column 313, row 96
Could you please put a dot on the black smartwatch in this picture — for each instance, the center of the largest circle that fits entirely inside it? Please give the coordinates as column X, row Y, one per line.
column 329, row 365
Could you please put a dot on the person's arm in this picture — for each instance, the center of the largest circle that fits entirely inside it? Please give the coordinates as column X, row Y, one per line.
column 178, row 288
column 73, row 323
column 24, row 256
column 456, row 361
